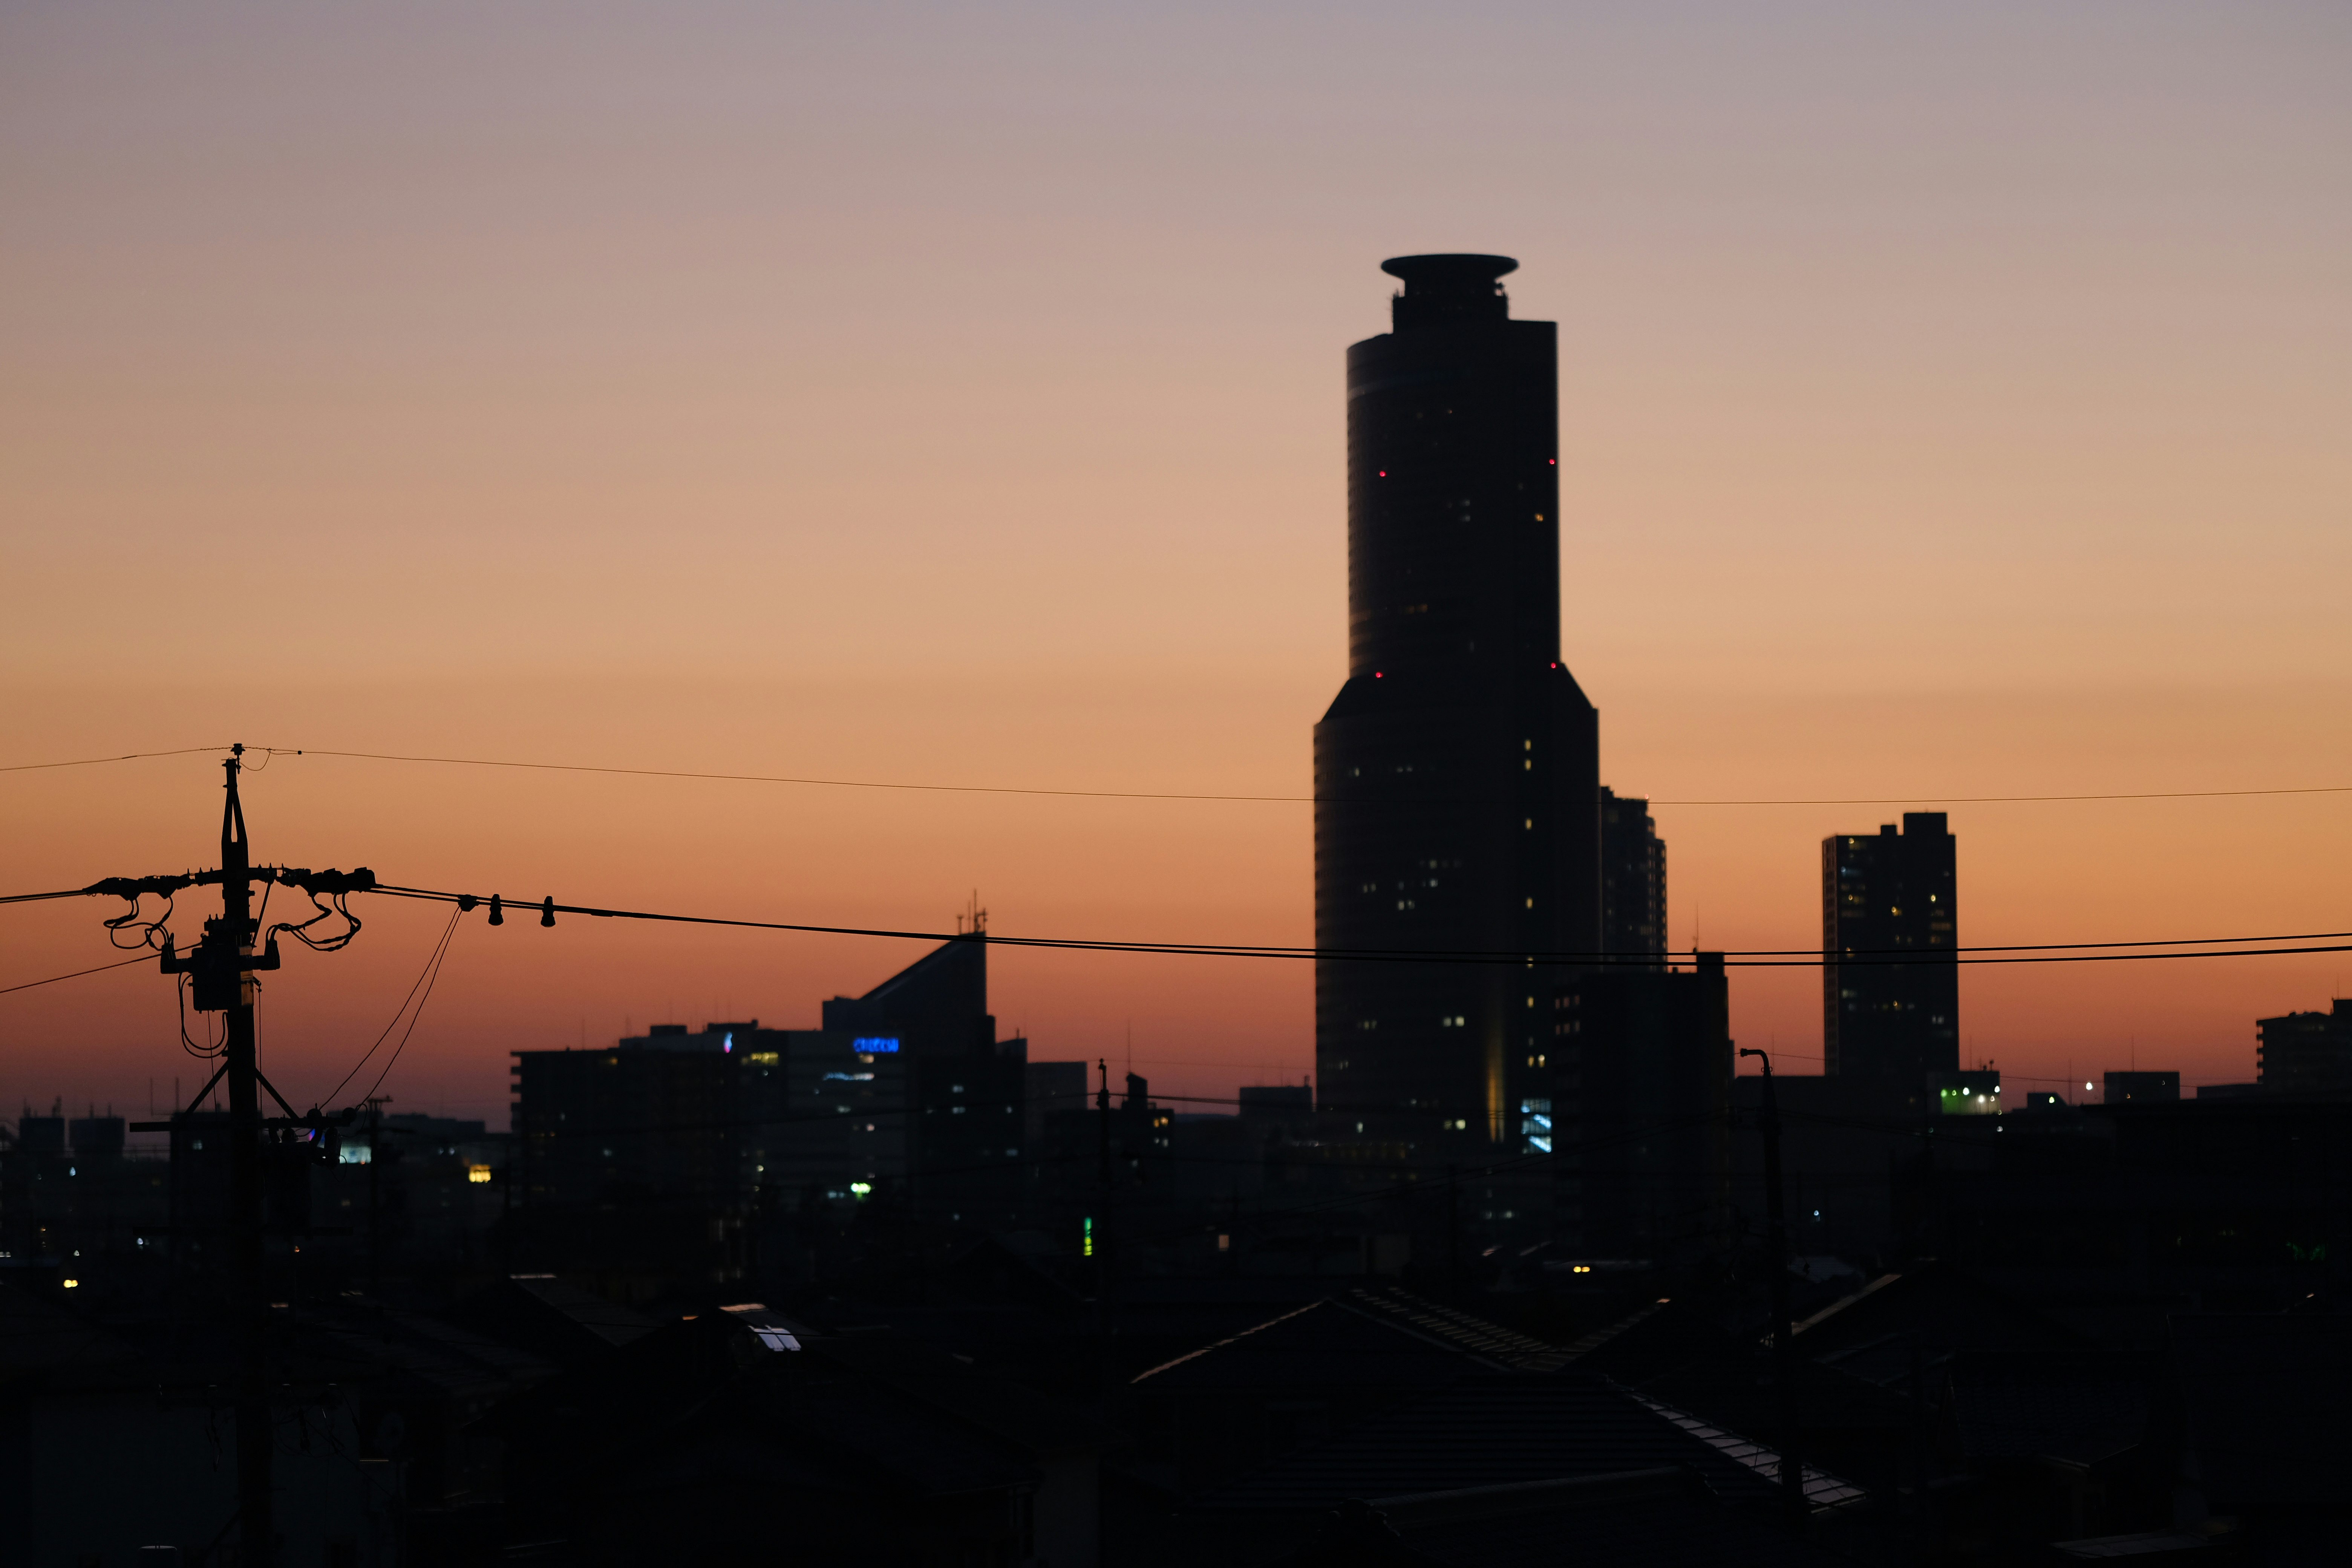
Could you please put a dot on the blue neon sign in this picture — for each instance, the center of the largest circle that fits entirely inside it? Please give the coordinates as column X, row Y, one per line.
column 875, row 1045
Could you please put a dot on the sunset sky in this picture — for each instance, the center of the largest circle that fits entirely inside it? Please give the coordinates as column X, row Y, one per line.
column 1954, row 401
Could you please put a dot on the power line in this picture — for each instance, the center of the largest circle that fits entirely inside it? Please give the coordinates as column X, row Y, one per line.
column 782, row 779
column 430, row 972
column 432, row 979
column 1805, row 957
column 1762, row 958
column 1258, row 799
column 37, row 898
column 814, row 782
column 125, row 757
column 1809, row 957
column 76, row 975
column 2023, row 799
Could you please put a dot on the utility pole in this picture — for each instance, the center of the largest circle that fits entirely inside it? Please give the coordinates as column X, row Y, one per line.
column 220, row 970
column 1102, row 1121
column 256, row 1504
column 1784, row 1347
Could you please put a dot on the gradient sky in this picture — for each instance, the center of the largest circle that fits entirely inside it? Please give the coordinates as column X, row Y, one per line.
column 1954, row 401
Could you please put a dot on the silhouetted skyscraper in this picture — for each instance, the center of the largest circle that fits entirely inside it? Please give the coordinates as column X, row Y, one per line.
column 1632, row 878
column 1885, row 897
column 1455, row 773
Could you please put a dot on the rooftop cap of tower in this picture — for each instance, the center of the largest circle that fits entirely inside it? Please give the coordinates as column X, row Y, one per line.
column 1451, row 288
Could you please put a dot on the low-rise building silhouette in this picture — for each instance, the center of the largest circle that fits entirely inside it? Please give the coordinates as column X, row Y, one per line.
column 2126, row 1088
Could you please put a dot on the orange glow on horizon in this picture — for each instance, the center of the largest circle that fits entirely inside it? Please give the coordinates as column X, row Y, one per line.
column 1950, row 403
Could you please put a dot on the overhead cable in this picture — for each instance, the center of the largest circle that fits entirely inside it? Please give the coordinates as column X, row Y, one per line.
column 2060, row 953
column 125, row 757
column 1267, row 799
column 52, row 979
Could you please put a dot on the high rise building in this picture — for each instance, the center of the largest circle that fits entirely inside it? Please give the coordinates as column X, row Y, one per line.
column 1632, row 879
column 1639, row 1111
column 964, row 1087
column 2305, row 1053
column 1455, row 773
column 1886, row 1014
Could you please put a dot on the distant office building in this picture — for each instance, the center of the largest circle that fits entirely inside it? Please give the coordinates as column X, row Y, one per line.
column 1457, row 772
column 965, row 1089
column 1637, row 1111
column 442, row 1137
column 99, row 1137
column 41, row 1134
column 823, row 1120
column 1974, row 1093
column 1887, row 897
column 2305, row 1053
column 645, row 1165
column 1276, row 1104
column 1053, row 1088
column 2127, row 1088
column 1632, row 879
column 904, row 1096
column 1145, row 1132
column 650, row 1120
column 66, row 1187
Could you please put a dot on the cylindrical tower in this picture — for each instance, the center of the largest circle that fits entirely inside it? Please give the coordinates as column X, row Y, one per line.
column 1456, row 775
